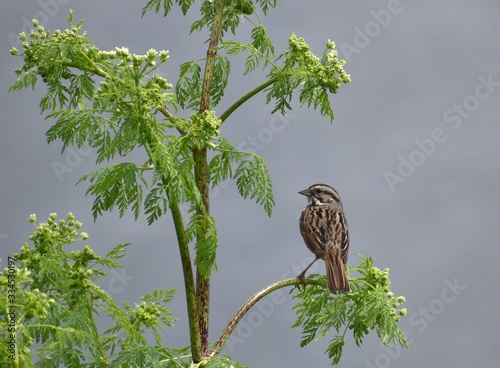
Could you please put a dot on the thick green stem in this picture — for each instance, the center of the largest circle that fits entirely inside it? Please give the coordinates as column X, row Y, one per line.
column 182, row 241
column 246, row 307
column 203, row 181
column 202, row 281
column 189, row 287
column 246, row 97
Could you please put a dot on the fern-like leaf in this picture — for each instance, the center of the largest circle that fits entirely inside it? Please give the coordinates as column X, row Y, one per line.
column 188, row 87
column 252, row 180
column 116, row 185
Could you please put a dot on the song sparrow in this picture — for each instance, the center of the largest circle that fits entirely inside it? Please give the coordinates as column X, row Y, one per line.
column 324, row 229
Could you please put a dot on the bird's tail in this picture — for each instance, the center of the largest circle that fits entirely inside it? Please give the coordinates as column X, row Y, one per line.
column 335, row 272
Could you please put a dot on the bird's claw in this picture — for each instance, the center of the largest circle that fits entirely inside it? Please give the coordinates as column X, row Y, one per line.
column 302, row 277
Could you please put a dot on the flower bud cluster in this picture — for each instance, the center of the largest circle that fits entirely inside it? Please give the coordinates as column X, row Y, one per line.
column 152, row 92
column 205, row 128
column 50, row 237
column 328, row 72
column 379, row 280
column 49, row 54
column 146, row 314
column 80, row 278
column 55, row 56
column 34, row 303
column 82, row 257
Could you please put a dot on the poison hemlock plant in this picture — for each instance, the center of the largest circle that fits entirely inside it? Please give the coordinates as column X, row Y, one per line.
column 114, row 102
column 54, row 301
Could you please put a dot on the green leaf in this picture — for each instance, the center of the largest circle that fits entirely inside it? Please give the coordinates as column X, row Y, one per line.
column 80, row 127
column 335, row 348
column 252, row 177
column 222, row 70
column 252, row 180
column 282, row 90
column 185, row 5
column 267, row 4
column 57, row 96
column 116, row 185
column 155, row 5
column 118, row 251
column 207, row 15
column 260, row 49
column 370, row 306
column 262, row 43
column 156, row 203
column 206, row 248
column 188, row 87
column 221, row 165
column 82, row 86
column 25, row 81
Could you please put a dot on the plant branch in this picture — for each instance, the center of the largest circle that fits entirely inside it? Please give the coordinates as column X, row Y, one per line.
column 202, row 179
column 202, row 281
column 166, row 112
column 246, row 97
column 249, row 304
column 95, row 331
column 187, row 269
column 208, row 75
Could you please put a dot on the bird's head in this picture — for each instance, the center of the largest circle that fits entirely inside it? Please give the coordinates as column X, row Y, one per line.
column 322, row 194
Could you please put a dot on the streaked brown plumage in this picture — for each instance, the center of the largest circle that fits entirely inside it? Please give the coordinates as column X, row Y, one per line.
column 324, row 229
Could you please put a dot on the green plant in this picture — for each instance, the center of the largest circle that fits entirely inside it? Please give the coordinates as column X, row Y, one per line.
column 55, row 301
column 113, row 102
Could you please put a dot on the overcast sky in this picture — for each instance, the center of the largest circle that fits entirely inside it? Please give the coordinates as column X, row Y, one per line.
column 413, row 152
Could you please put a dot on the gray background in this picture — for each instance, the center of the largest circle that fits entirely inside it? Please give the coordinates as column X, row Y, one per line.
column 434, row 228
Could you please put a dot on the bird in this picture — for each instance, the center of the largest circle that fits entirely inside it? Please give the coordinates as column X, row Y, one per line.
column 323, row 226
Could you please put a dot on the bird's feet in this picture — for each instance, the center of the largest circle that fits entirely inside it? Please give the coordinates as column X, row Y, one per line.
column 302, row 277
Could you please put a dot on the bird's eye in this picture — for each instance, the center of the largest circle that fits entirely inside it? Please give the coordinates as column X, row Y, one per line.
column 319, row 190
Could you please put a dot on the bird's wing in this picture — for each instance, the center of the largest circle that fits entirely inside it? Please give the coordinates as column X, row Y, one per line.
column 343, row 236
column 315, row 233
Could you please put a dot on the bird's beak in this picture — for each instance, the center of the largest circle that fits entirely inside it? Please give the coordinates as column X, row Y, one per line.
column 305, row 192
